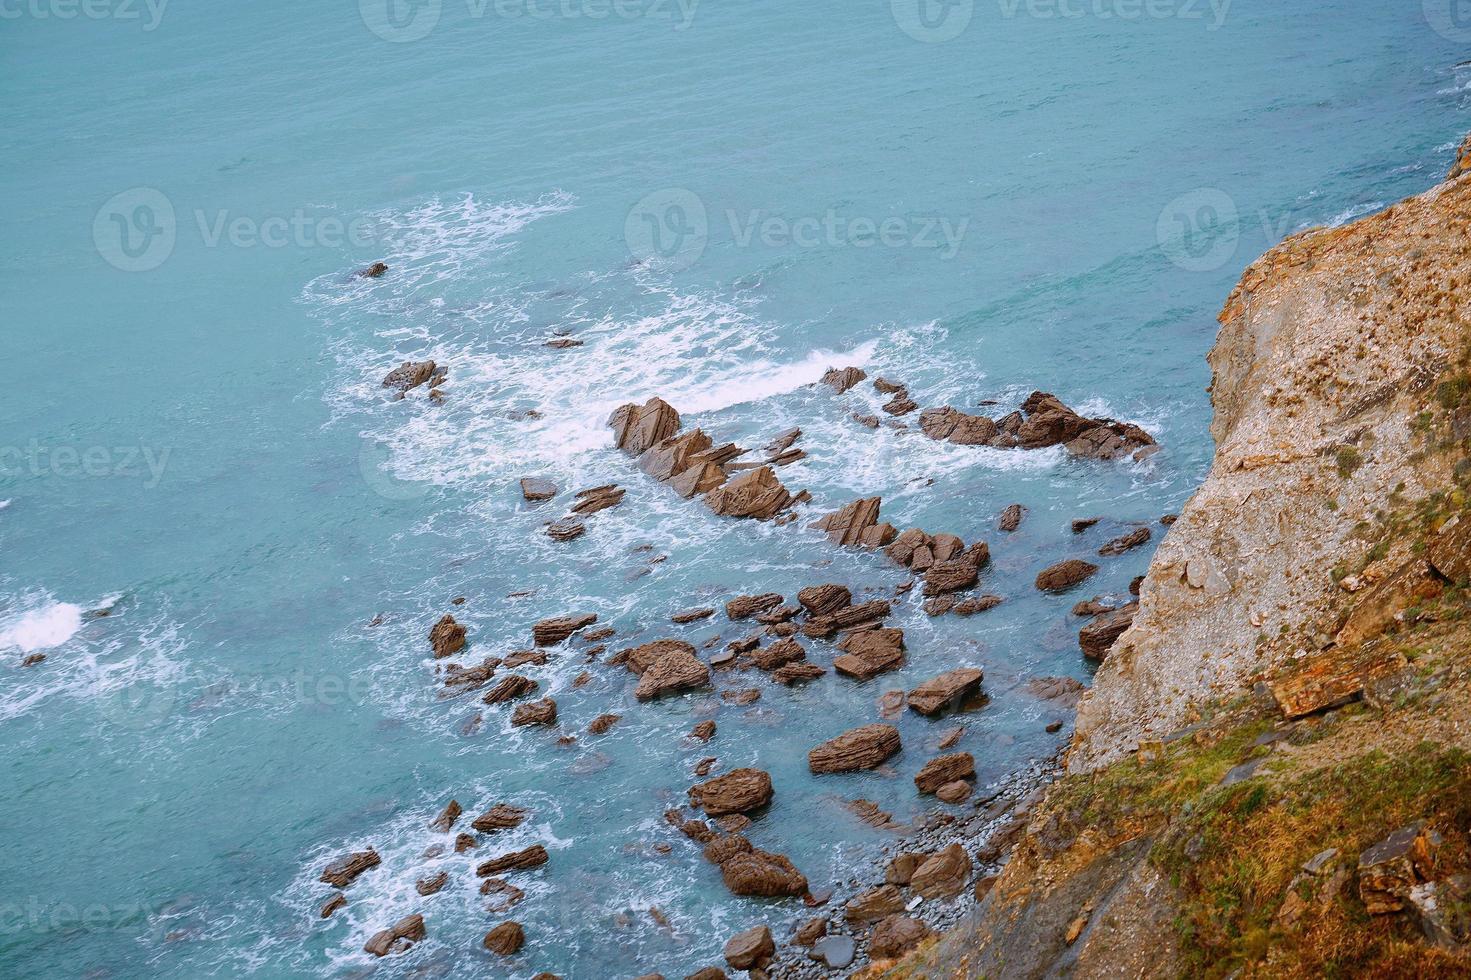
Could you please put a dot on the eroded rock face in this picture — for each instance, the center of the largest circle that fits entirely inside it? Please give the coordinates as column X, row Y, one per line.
column 952, row 425
column 847, row 525
column 945, row 691
column 447, row 637
column 637, row 428
column 738, row 791
column 543, row 712
column 865, row 747
column 746, row 606
column 1099, row 636
column 756, row 494
column 552, row 631
column 840, row 380
column 346, row 869
column 675, row 670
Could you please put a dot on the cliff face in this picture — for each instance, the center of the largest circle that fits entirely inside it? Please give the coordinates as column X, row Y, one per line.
column 1331, row 348
column 1290, row 712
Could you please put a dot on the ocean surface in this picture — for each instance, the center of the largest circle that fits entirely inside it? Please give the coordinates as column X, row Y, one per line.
column 721, row 200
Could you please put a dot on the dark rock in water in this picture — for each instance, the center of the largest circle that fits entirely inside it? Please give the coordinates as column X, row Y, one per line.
column 397, row 938
column 411, row 374
column 900, row 404
column 1098, row 637
column 469, row 678
column 513, row 686
column 783, row 442
column 750, row 949
column 822, row 600
column 447, row 637
column 332, row 904
column 708, row 973
column 552, row 631
column 692, row 615
column 743, row 697
column 602, row 723
column 869, row 653
column 1064, row 690
column 1119, row 545
column 1050, row 423
column 755, row 494
column 778, row 654
column 865, row 747
column 543, row 712
column 1135, row 584
column 945, row 691
column 976, row 604
column 373, row 271
column 447, row 817
column 502, row 816
column 950, row 576
column 1064, row 575
column 536, row 489
column 432, row 884
column 639, row 428
column 841, row 380
column 704, row 731
column 1084, row 523
column 598, row 498
column 508, row 894
column 867, row 421
column 532, row 857
column 520, row 658
column 675, row 670
column 796, row 672
column 738, row 791
column 670, row 457
column 566, row 529
column 849, row 617
column 1092, row 607
column 886, row 387
column 745, row 606
column 32, row 659
column 703, row 767
column 1011, row 518
column 846, row 526
column 896, row 935
column 505, row 939
column 944, row 769
column 952, row 425
column 563, row 343
column 345, row 870
column 464, row 842
column 762, row 873
column 640, row 658
column 780, row 614
column 810, row 931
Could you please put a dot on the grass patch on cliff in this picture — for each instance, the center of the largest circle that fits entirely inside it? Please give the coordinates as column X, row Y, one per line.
column 1234, row 854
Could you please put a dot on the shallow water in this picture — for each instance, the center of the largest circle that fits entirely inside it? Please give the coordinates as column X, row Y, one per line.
column 196, row 440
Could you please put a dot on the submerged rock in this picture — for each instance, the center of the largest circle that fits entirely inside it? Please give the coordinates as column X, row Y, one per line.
column 373, row 271
column 1011, row 518
column 1119, row 545
column 411, row 374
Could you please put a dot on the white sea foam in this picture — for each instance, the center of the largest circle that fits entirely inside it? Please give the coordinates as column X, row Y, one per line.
column 41, row 628
column 4, row 504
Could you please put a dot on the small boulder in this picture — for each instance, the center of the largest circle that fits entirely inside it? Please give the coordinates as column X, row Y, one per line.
column 505, row 939
column 840, row 380
column 552, row 631
column 447, row 637
column 675, row 670
column 874, row 904
column 738, row 791
column 762, row 873
column 1064, row 575
column 534, row 488
column 1127, row 542
column 1011, row 518
column 543, row 712
column 502, row 816
column 746, row 606
column 750, row 949
column 345, row 870
column 411, row 374
column 397, row 938
column 531, row 857
column 943, row 875
column 947, row 690
column 835, row 952
column 944, row 769
column 896, row 935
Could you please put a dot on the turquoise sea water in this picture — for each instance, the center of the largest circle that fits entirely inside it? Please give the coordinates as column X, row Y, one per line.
column 194, row 436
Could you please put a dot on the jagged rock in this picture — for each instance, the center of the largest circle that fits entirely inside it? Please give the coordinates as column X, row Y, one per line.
column 976, row 604
column 509, row 687
column 896, row 935
column 447, row 817
column 945, row 691
column 1050, row 423
column 822, row 600
column 502, row 816
column 846, row 526
column 672, row 456
column 1098, row 637
column 519, row 658
column 509, row 894
column 944, row 769
column 505, row 939
column 867, row 421
column 432, row 884
column 1126, row 542
column 1064, row 574
column 746, row 606
column 1084, row 523
column 783, row 442
column 552, row 631
column 674, row 670
column 637, row 428
column 532, row 857
column 596, row 499
column 1463, row 160
column 900, row 404
column 692, row 616
column 780, row 614
column 865, row 747
column 563, row 343
column 398, row 937
column 762, row 873
column 874, row 904
column 704, row 731
column 332, row 904
column 951, row 425
column 756, row 494
column 535, row 488
column 718, row 850
column 778, row 654
column 703, row 767
column 1335, row 676
column 848, row 617
column 950, row 576
column 567, row 529
column 345, row 870
column 738, row 791
column 793, row 673
column 810, row 932
column 841, row 380
column 1389, row 869
column 447, row 637
column 543, row 712
column 955, row 792
column 749, row 949
column 464, row 842
column 373, row 271
column 699, row 477
column 902, row 867
column 411, row 374
column 943, row 875
column 742, row 697
column 470, row 678
column 1011, row 518
column 640, row 658
column 602, row 723
column 886, row 387
column 869, row 653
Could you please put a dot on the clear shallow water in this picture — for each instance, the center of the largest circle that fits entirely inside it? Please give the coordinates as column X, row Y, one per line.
column 244, row 499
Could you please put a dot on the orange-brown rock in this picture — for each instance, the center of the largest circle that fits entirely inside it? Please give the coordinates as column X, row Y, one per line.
column 1065, row 574
column 945, row 691
column 508, row 688
column 755, row 494
column 944, row 769
column 447, row 637
column 543, row 712
column 636, row 428
column 896, row 935
column 555, row 630
column 674, row 670
column 943, row 875
column 847, row 525
column 865, row 747
column 1099, row 636
column 447, row 817
column 746, row 606
column 346, row 869
column 738, row 791
column 840, row 380
column 502, row 816
column 397, row 938
column 505, row 939
column 531, row 857
column 868, row 653
column 758, row 872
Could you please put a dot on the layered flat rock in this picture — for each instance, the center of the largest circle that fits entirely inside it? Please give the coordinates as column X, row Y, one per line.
column 746, row 606
column 552, row 631
column 509, row 688
column 945, row 691
column 865, row 747
column 750, row 949
column 944, row 769
column 1065, row 574
column 1098, row 637
column 849, row 617
column 796, row 673
column 396, row 938
column 738, row 791
column 822, row 600
column 943, row 875
column 532, row 857
column 762, row 873
column 411, row 374
column 674, row 670
column 840, row 380
column 535, row 488
column 543, row 712
column 756, row 494
column 640, row 658
column 847, row 525
column 502, row 816
column 778, row 654
column 1011, row 518
column 346, row 869
column 1127, row 542
column 869, row 653
column 595, row 499
column 637, row 428
column 447, row 637
column 951, row 576
column 667, row 459
column 952, row 425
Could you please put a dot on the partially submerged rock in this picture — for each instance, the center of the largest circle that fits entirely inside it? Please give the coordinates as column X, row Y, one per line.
column 447, row 637
column 1098, row 637
column 822, row 600
column 1011, row 518
column 944, row 769
column 675, row 670
column 637, row 428
column 1065, row 574
column 1135, row 538
column 738, row 791
column 840, row 380
column 868, row 653
column 346, row 869
column 756, row 494
column 534, row 488
column 505, row 939
column 543, row 712
column 411, row 374
column 508, row 688
column 865, row 747
column 746, row 606
column 532, row 857
column 552, row 631
column 502, row 816
column 397, row 937
column 947, row 690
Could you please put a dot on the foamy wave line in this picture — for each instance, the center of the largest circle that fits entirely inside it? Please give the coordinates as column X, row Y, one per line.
column 41, row 628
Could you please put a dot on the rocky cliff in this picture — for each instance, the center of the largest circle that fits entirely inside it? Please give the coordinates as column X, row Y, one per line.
column 1271, row 775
